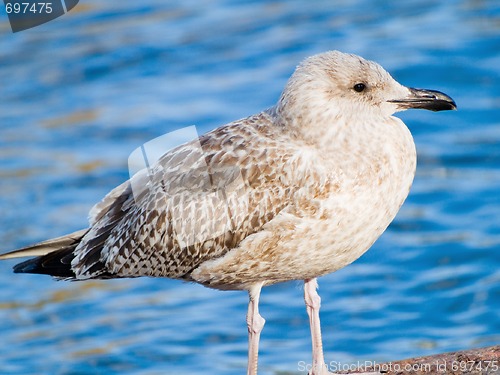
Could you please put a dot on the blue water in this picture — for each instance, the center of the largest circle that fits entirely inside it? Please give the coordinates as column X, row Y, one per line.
column 78, row 94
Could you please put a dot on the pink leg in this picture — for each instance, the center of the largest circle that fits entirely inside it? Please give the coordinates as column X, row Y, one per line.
column 313, row 303
column 255, row 323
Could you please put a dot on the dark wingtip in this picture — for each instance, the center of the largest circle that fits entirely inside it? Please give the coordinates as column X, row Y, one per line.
column 57, row 264
column 28, row 266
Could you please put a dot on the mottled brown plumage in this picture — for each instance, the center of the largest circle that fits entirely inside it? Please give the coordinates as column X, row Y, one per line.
column 295, row 192
column 199, row 201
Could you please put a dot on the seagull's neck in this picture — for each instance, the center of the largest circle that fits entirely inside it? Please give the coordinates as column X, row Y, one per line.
column 328, row 128
column 348, row 141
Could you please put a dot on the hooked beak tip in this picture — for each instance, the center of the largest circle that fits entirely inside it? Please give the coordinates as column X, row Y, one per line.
column 431, row 100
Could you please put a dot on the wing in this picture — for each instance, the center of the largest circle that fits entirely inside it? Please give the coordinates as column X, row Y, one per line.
column 196, row 203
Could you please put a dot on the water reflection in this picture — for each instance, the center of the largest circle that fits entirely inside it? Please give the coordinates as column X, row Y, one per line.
column 79, row 94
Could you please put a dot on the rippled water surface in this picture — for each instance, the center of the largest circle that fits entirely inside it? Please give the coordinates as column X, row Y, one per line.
column 78, row 94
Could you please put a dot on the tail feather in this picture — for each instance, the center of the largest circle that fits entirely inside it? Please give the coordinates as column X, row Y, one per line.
column 52, row 257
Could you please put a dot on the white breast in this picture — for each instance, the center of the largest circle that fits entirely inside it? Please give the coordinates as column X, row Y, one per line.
column 348, row 197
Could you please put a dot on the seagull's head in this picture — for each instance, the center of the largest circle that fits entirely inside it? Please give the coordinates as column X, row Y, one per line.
column 336, row 84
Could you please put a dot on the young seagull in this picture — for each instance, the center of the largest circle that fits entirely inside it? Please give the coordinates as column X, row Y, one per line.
column 292, row 193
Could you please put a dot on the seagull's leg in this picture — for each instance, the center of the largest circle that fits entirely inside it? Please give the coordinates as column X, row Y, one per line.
column 255, row 323
column 313, row 303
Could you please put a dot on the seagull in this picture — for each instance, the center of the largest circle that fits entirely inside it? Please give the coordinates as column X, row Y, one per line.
column 295, row 192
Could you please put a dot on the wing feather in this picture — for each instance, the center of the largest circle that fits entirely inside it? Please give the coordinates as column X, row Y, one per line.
column 197, row 202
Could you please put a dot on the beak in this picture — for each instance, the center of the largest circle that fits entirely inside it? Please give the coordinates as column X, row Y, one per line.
column 426, row 99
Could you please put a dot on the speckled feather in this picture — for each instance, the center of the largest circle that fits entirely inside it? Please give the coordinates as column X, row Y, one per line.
column 295, row 192
column 200, row 200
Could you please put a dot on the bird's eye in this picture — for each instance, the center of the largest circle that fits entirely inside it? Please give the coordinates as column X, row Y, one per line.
column 359, row 87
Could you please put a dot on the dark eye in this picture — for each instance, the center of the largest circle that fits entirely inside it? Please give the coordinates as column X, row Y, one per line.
column 359, row 87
